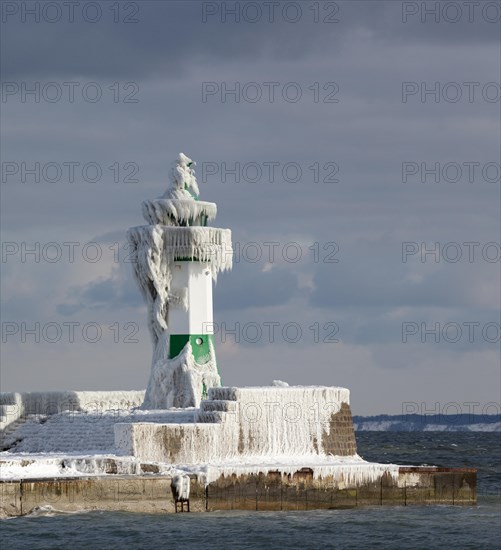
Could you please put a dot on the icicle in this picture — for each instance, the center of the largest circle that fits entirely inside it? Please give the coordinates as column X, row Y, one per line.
column 345, row 473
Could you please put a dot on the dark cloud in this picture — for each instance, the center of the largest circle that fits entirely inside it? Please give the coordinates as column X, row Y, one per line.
column 382, row 274
column 112, row 294
column 158, row 44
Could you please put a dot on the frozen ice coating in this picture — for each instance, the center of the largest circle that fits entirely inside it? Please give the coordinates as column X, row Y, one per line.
column 250, row 430
column 183, row 178
column 180, row 204
column 170, row 211
column 172, row 258
column 174, row 382
column 238, row 423
column 181, row 486
column 345, row 472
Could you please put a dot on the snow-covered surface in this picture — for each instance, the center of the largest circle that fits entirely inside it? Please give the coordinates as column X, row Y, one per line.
column 54, row 465
column 83, row 400
column 16, row 406
column 307, row 397
column 84, row 432
column 32, row 466
column 345, row 471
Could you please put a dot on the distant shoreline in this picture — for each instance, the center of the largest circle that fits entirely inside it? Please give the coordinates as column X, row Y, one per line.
column 429, row 423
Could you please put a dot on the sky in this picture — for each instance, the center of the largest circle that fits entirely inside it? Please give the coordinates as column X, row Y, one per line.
column 352, row 148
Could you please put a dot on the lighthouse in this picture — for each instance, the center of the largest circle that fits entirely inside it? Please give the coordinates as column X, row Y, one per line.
column 176, row 257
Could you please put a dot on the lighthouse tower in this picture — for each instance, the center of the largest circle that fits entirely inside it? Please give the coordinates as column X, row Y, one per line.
column 176, row 257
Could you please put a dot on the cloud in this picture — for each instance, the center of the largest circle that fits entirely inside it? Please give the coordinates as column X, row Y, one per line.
column 251, row 286
column 158, row 44
column 113, row 293
column 375, row 275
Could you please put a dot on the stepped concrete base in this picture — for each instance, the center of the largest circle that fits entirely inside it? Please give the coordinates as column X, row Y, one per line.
column 272, row 491
column 238, row 423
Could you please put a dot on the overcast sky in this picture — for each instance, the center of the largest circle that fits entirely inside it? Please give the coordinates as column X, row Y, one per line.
column 325, row 150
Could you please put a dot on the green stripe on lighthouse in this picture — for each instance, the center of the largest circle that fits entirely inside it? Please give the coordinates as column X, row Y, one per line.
column 199, row 345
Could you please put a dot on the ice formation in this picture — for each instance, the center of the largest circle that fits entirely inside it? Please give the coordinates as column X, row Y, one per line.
column 181, row 487
column 55, row 465
column 242, row 431
column 164, row 211
column 345, row 472
column 176, row 231
column 239, row 422
column 175, row 382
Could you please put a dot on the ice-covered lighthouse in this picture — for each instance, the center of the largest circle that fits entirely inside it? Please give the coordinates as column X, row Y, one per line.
column 176, row 257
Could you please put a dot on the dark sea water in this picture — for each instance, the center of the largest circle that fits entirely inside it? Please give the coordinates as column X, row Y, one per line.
column 388, row 527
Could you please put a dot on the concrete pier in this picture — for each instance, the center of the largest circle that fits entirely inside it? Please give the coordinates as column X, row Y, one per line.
column 271, row 491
